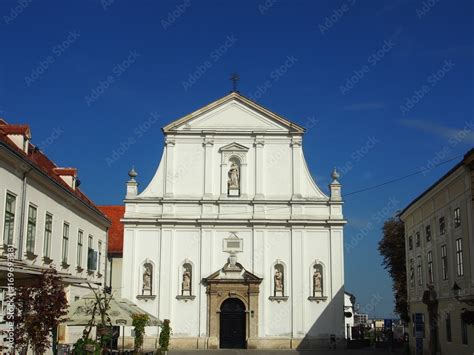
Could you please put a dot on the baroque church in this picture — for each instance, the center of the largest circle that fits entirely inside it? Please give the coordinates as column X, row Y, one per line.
column 232, row 240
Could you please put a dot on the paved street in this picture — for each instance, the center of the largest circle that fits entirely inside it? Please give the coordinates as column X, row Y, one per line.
column 369, row 351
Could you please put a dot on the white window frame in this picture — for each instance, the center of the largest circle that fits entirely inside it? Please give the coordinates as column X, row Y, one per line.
column 459, row 257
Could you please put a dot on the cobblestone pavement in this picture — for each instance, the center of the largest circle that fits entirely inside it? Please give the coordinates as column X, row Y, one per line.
column 369, row 351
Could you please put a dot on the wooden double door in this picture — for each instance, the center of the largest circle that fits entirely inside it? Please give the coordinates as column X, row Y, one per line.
column 232, row 324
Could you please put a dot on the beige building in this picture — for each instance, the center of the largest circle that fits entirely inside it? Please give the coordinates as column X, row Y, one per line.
column 440, row 272
column 45, row 221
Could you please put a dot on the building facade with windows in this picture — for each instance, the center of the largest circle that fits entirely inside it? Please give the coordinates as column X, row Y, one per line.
column 45, row 219
column 232, row 240
column 439, row 234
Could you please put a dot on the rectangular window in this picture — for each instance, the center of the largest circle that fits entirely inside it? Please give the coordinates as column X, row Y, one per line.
column 91, row 255
column 447, row 318
column 459, row 257
column 80, row 235
column 429, row 257
column 463, row 332
column 65, row 242
column 428, row 232
column 99, row 247
column 31, row 230
column 457, row 217
column 48, row 231
column 419, row 271
column 442, row 226
column 412, row 273
column 9, row 219
column 444, row 262
column 410, row 242
column 418, row 241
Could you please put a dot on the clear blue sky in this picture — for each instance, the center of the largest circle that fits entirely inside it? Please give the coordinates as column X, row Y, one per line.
column 388, row 84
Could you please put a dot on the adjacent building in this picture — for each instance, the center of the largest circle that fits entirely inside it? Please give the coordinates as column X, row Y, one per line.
column 114, row 248
column 439, row 244
column 349, row 313
column 232, row 240
column 46, row 220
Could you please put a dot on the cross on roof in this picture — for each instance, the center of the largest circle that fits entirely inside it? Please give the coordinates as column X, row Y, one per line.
column 234, row 78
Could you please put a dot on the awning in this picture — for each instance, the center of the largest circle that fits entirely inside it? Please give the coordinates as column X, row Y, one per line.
column 25, row 274
column 120, row 312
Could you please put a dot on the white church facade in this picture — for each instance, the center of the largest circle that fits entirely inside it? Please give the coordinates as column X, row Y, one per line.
column 232, row 240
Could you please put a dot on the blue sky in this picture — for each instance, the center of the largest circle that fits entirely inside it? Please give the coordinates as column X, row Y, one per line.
column 386, row 88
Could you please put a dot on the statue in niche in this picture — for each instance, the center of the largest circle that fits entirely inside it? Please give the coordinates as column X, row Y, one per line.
column 278, row 281
column 317, row 281
column 186, row 284
column 234, row 176
column 147, row 277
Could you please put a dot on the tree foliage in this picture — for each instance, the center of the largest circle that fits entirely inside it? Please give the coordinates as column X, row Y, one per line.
column 39, row 309
column 392, row 249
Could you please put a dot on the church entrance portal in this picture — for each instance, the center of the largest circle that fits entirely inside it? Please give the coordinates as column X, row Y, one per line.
column 232, row 324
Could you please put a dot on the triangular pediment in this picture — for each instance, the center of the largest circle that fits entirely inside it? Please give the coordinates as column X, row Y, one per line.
column 234, row 147
column 229, row 273
column 233, row 112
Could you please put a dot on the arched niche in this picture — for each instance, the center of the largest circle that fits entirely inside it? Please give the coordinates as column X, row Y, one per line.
column 279, row 281
column 147, row 284
column 318, row 281
column 186, row 281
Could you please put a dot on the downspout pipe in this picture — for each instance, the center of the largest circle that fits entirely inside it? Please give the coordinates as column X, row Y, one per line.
column 22, row 214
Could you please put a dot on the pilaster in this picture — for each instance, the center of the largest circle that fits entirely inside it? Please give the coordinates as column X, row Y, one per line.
column 259, row 144
column 170, row 175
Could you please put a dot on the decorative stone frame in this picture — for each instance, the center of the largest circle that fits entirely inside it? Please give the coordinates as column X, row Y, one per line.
column 141, row 296
column 324, row 279
column 246, row 290
column 180, row 295
column 273, row 297
column 234, row 152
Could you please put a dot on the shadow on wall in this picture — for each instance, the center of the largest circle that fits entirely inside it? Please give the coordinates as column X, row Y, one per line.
column 328, row 330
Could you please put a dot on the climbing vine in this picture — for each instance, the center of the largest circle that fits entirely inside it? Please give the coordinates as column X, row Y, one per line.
column 140, row 321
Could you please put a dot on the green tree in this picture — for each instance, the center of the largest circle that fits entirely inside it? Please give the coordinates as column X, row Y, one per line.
column 392, row 249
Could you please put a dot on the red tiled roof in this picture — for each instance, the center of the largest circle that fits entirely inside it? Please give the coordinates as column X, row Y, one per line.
column 66, row 171
column 39, row 160
column 115, row 241
column 14, row 128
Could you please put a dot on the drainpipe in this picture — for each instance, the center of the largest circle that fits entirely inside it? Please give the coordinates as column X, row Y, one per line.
column 22, row 215
column 106, row 253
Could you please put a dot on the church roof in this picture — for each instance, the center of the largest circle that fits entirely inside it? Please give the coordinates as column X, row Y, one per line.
column 235, row 96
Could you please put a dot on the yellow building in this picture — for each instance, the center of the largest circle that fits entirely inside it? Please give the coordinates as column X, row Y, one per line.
column 439, row 241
